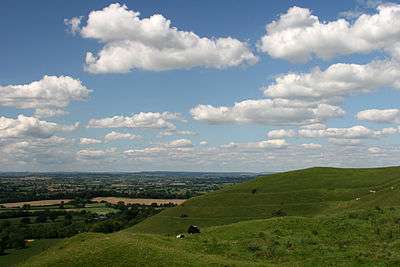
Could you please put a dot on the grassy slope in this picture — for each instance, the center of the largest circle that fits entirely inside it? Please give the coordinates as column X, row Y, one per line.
column 334, row 227
column 369, row 237
column 20, row 255
column 300, row 193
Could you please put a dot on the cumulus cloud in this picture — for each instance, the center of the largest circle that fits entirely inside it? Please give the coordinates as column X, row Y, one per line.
column 354, row 132
column 180, row 143
column 266, row 111
column 272, row 143
column 152, row 43
column 344, row 142
column 48, row 96
column 89, row 141
column 170, row 132
column 282, row 133
column 314, row 126
column 338, row 80
column 307, row 98
column 298, row 35
column 380, row 115
column 73, row 24
column 375, row 150
column 52, row 150
column 311, row 146
column 153, row 120
column 24, row 126
column 113, row 136
column 93, row 154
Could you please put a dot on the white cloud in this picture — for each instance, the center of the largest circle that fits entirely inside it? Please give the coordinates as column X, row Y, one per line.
column 52, row 150
column 89, row 141
column 282, row 133
column 180, row 143
column 375, row 150
column 153, row 44
column 354, row 132
column 203, row 143
column 311, row 146
column 170, row 132
column 92, row 154
column 314, row 126
column 298, row 35
column 24, row 126
column 112, row 136
column 266, row 111
column 380, row 115
column 48, row 96
column 73, row 24
column 338, row 80
column 154, row 120
column 272, row 143
column 47, row 113
column 344, row 142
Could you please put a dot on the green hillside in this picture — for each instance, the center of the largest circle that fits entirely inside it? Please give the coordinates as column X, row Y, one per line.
column 368, row 237
column 307, row 192
column 333, row 219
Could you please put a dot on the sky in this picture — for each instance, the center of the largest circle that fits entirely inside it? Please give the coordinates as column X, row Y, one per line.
column 198, row 85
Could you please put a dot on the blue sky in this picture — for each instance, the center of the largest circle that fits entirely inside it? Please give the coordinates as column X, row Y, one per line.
column 168, row 84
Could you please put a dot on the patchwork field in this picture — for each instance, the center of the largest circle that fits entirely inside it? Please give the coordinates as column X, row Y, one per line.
column 142, row 201
column 48, row 202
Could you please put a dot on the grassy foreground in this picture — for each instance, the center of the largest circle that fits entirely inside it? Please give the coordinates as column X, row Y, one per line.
column 336, row 217
column 368, row 237
column 18, row 256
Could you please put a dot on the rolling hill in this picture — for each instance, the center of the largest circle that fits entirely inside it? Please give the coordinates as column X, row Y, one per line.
column 335, row 216
column 306, row 192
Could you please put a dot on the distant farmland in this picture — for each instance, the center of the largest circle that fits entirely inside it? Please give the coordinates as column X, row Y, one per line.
column 142, row 201
column 48, row 202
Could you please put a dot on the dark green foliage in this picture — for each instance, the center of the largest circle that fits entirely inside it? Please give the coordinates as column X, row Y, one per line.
column 41, row 218
column 26, row 220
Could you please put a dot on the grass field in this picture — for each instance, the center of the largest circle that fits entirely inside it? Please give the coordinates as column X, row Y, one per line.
column 142, row 201
column 15, row 257
column 307, row 192
column 336, row 217
column 368, row 238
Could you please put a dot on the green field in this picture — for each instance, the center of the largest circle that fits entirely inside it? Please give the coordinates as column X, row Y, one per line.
column 345, row 217
column 14, row 257
column 97, row 208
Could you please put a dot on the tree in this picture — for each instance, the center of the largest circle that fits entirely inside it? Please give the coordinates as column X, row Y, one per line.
column 17, row 240
column 3, row 241
column 53, row 216
column 68, row 219
column 41, row 218
column 26, row 220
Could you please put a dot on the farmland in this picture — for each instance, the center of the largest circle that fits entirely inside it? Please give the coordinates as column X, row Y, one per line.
column 141, row 201
column 46, row 208
column 26, row 187
column 36, row 203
